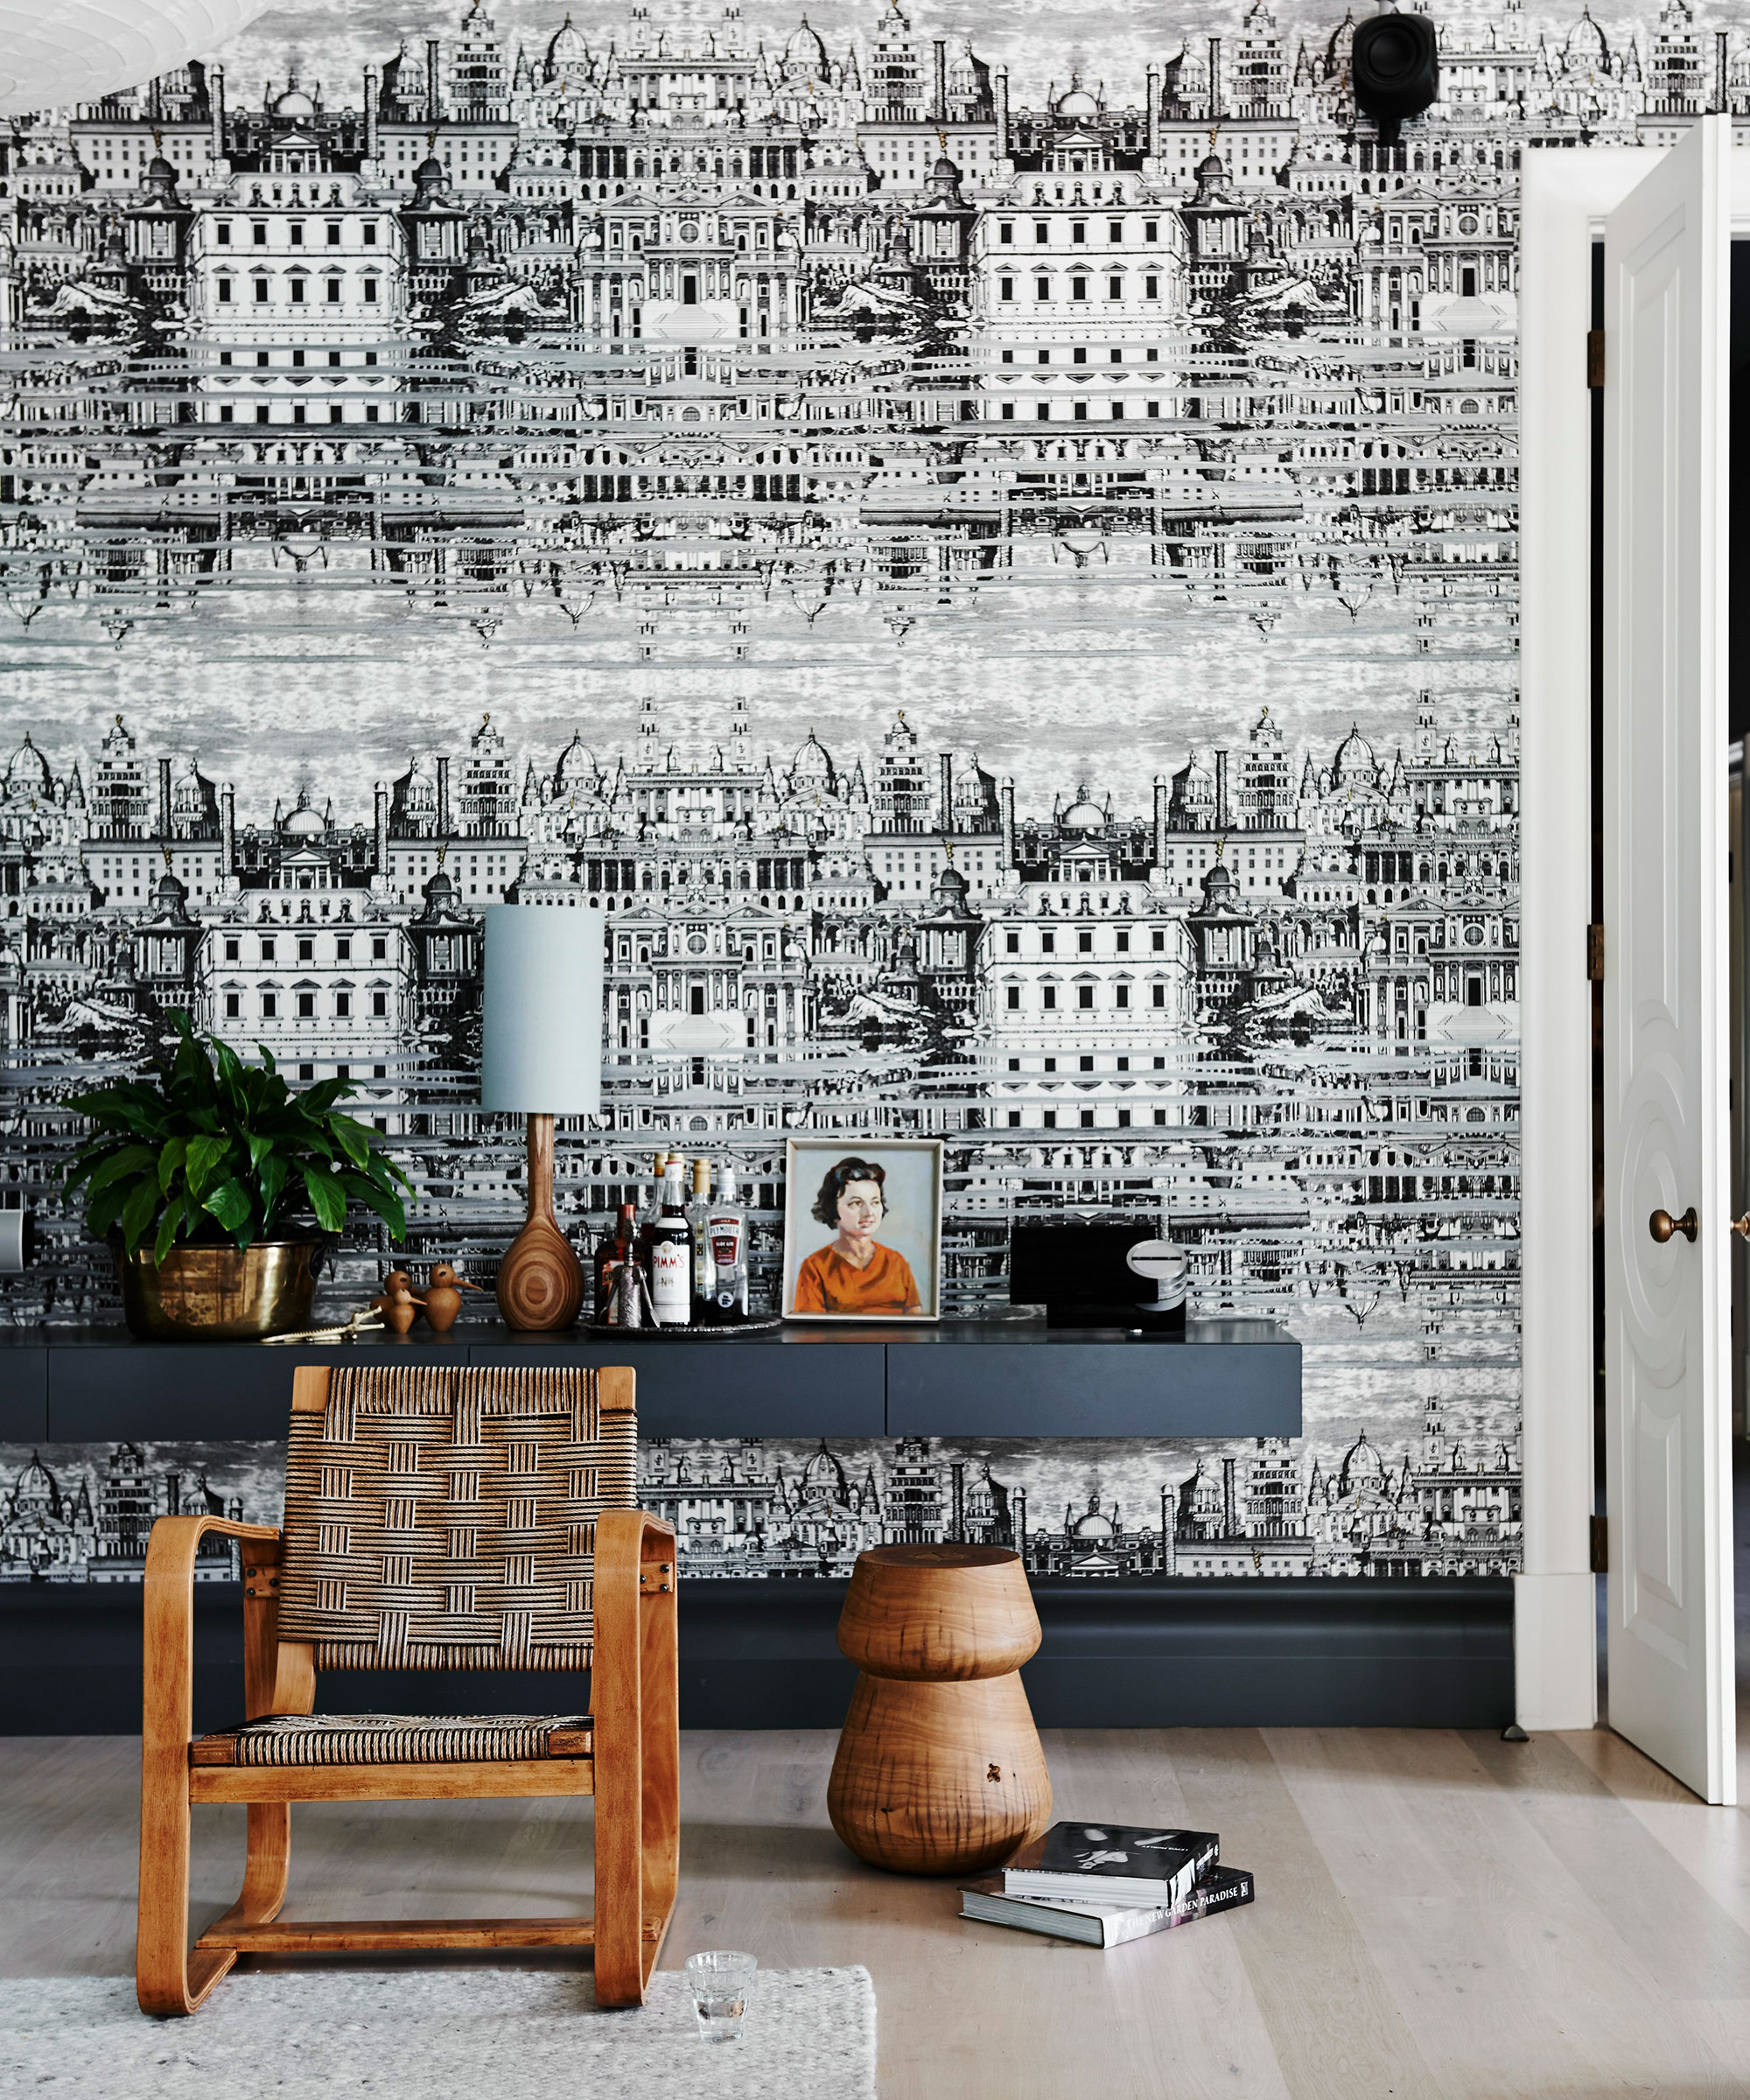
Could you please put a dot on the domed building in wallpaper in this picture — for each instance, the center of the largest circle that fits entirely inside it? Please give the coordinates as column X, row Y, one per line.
column 87, row 1523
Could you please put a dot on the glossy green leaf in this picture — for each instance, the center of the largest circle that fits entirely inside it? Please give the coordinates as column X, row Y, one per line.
column 272, row 1180
column 351, row 1137
column 230, row 1204
column 169, row 1226
column 103, row 1210
column 227, row 1063
column 207, row 1157
column 327, row 1197
column 120, row 1164
column 130, row 1099
column 191, row 1073
column 381, row 1169
column 139, row 1210
column 170, row 1163
column 86, row 1160
column 389, row 1209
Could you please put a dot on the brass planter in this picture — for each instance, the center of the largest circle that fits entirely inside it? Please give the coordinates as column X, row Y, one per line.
column 218, row 1293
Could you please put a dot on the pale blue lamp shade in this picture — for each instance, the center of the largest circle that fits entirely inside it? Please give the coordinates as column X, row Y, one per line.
column 542, row 1010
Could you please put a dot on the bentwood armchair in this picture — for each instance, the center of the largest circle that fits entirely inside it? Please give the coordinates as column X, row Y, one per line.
column 435, row 1519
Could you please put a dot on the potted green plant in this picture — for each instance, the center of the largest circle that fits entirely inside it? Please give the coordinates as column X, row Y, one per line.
column 217, row 1184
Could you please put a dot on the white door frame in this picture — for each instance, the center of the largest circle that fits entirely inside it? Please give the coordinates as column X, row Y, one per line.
column 1564, row 197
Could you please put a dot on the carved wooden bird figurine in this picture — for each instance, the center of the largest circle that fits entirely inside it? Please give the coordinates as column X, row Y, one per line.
column 397, row 1301
column 401, row 1308
column 444, row 1297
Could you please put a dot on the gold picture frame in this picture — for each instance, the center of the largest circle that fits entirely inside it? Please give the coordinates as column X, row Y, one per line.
column 894, row 1209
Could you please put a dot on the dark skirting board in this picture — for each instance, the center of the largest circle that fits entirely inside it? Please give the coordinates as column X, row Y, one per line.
column 1312, row 1652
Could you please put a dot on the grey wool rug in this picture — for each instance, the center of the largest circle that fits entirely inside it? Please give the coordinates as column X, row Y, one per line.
column 435, row 2034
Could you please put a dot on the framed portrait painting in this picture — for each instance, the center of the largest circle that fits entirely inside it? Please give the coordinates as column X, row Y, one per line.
column 863, row 1229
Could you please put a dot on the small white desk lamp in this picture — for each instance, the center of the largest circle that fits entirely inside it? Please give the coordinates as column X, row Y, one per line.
column 541, row 1058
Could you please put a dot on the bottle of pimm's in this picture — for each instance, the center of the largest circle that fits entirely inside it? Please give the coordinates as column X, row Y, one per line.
column 671, row 1254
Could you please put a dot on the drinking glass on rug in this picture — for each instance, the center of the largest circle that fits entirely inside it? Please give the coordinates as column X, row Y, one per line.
column 722, row 1983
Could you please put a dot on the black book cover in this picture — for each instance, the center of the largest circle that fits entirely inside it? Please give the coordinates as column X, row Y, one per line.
column 1143, row 1862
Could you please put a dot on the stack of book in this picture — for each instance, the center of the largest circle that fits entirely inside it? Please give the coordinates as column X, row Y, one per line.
column 1104, row 1883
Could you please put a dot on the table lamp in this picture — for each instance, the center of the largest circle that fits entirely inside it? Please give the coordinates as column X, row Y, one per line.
column 541, row 1057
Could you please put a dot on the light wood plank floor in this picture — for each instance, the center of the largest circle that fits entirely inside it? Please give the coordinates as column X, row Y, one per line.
column 1439, row 1914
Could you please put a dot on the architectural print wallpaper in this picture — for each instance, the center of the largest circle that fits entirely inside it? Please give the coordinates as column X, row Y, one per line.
column 990, row 553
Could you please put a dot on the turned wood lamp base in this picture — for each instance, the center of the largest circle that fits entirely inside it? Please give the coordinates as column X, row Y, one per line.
column 540, row 1280
column 939, row 1769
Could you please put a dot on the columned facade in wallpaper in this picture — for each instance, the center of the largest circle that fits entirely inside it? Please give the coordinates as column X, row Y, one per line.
column 1002, row 583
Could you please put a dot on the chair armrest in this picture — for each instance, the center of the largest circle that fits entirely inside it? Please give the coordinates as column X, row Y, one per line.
column 621, row 1536
column 627, row 1542
column 175, row 1541
column 167, row 1718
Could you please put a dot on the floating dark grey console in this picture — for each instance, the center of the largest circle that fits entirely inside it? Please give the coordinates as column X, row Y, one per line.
column 991, row 1378
column 756, row 1388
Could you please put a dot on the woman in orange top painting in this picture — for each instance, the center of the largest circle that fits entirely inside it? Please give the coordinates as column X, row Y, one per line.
column 855, row 1273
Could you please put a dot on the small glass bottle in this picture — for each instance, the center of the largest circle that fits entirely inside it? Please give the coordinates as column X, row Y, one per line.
column 727, row 1225
column 648, row 1211
column 653, row 1209
column 698, row 1221
column 615, row 1246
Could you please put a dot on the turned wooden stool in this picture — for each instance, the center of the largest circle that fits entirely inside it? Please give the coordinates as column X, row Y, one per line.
column 939, row 1769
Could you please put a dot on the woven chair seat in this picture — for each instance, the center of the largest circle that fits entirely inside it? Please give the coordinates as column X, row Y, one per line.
column 397, row 1739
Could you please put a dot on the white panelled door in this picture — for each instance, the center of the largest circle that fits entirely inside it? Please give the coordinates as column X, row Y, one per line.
column 1666, row 1177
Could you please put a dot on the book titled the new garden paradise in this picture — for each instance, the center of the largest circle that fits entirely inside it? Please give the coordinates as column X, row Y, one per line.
column 1099, row 1924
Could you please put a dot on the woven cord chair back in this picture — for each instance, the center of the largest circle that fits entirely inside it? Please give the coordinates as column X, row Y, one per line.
column 440, row 1519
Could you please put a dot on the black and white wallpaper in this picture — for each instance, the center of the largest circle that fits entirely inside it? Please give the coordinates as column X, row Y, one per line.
column 989, row 551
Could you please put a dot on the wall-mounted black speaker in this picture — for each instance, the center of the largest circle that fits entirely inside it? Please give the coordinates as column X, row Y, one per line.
column 1395, row 65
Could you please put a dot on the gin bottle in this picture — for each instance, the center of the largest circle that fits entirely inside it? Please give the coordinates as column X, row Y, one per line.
column 698, row 1221
column 727, row 1225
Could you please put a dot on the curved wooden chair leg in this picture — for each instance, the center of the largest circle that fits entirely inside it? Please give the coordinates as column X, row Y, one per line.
column 277, row 1680
column 266, row 1866
column 659, row 1808
column 172, row 1979
column 168, row 1980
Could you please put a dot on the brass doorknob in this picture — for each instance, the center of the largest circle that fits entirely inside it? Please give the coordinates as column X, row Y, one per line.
column 1741, row 1226
column 1661, row 1225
